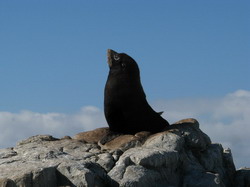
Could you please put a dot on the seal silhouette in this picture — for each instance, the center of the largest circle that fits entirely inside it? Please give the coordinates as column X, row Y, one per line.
column 125, row 106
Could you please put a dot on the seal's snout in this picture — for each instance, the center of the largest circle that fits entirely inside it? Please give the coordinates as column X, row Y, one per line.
column 110, row 54
column 110, row 51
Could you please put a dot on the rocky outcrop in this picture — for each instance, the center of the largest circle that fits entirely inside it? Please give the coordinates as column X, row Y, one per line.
column 180, row 156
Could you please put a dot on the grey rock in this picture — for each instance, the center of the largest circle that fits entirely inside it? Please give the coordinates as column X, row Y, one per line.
column 156, row 164
column 38, row 138
column 168, row 140
column 46, row 161
column 82, row 174
column 5, row 153
column 106, row 160
column 193, row 136
column 182, row 155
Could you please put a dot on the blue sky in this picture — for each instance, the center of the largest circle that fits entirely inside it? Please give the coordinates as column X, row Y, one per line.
column 53, row 59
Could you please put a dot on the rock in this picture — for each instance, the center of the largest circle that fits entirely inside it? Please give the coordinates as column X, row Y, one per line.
column 193, row 136
column 242, row 178
column 182, row 155
column 152, row 164
column 46, row 161
column 84, row 174
column 124, row 142
column 38, row 138
column 93, row 136
column 117, row 141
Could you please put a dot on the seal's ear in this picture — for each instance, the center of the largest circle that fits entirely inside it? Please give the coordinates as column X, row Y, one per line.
column 160, row 113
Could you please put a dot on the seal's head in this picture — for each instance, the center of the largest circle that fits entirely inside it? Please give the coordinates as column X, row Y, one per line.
column 121, row 63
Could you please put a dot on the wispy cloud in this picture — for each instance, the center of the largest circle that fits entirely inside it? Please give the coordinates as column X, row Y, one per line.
column 225, row 120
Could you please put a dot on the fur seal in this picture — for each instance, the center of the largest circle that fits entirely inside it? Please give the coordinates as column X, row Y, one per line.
column 125, row 106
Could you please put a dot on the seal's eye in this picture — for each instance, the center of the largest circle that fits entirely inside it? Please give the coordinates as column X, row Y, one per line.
column 116, row 57
column 123, row 65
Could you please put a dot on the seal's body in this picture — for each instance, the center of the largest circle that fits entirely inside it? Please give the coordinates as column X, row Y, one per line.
column 125, row 106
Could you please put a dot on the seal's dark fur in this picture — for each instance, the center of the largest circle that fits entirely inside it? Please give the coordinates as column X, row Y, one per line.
column 125, row 106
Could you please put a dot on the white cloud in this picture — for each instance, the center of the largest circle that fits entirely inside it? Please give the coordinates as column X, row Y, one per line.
column 18, row 126
column 225, row 120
